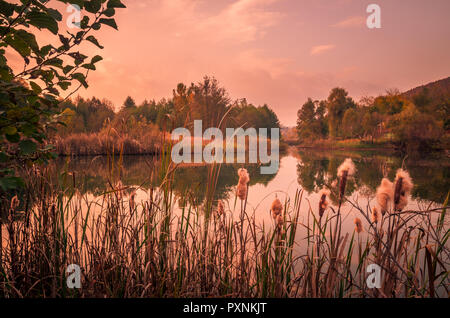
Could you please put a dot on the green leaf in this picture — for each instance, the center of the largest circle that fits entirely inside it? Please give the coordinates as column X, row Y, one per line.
column 88, row 66
column 92, row 39
column 10, row 130
column 54, row 62
column 3, row 157
column 7, row 9
column 80, row 78
column 42, row 20
column 11, row 183
column 67, row 69
column 28, row 38
column 109, row 12
column 109, row 22
column 14, row 138
column 18, row 44
column 45, row 50
column 84, row 22
column 27, row 147
column 115, row 4
column 64, row 85
column 55, row 14
column 93, row 6
column 79, row 3
column 36, row 88
column 96, row 59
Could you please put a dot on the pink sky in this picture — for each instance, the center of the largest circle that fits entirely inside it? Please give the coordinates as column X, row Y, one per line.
column 277, row 52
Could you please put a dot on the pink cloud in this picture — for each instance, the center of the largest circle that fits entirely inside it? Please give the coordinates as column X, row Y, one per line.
column 319, row 49
column 352, row 22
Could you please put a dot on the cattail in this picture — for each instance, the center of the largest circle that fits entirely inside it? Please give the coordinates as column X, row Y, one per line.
column 334, row 183
column 385, row 194
column 345, row 170
column 323, row 203
column 244, row 178
column 358, row 225
column 280, row 221
column 403, row 186
column 14, row 203
column 241, row 191
column 375, row 215
column 132, row 202
column 220, row 208
column 276, row 208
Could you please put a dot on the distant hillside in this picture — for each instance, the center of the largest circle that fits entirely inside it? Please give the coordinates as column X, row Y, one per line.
column 439, row 90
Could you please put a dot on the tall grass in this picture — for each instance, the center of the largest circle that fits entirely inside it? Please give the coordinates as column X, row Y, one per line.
column 94, row 144
column 127, row 248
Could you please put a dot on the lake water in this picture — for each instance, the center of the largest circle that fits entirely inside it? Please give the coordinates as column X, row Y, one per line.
column 308, row 170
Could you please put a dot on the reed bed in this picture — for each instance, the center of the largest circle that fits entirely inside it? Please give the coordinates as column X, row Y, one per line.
column 94, row 144
column 127, row 248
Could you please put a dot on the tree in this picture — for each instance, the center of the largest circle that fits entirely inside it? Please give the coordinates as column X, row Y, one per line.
column 392, row 103
column 337, row 104
column 29, row 93
column 210, row 102
column 415, row 130
column 305, row 121
column 129, row 103
column 371, row 124
column 351, row 123
column 311, row 121
column 181, row 98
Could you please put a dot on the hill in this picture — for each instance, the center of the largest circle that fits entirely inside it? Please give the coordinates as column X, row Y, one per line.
column 437, row 90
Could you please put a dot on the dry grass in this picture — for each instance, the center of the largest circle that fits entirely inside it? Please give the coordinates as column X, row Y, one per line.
column 94, row 144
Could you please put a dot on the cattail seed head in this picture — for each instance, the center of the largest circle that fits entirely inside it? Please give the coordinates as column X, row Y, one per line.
column 241, row 191
column 132, row 201
column 279, row 221
column 348, row 166
column 345, row 170
column 244, row 178
column 385, row 194
column 376, row 216
column 403, row 186
column 358, row 225
column 323, row 203
column 276, row 208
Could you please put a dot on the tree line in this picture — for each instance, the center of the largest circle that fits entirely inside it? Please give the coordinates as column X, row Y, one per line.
column 205, row 100
column 420, row 121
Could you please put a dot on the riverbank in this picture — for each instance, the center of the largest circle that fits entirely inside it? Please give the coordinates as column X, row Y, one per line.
column 356, row 144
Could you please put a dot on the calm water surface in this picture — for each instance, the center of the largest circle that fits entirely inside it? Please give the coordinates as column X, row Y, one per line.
column 308, row 170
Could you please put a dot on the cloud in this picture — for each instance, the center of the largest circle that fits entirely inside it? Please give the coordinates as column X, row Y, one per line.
column 352, row 22
column 242, row 21
column 319, row 49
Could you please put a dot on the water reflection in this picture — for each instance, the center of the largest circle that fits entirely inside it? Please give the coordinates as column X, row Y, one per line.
column 96, row 175
column 430, row 174
column 313, row 170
